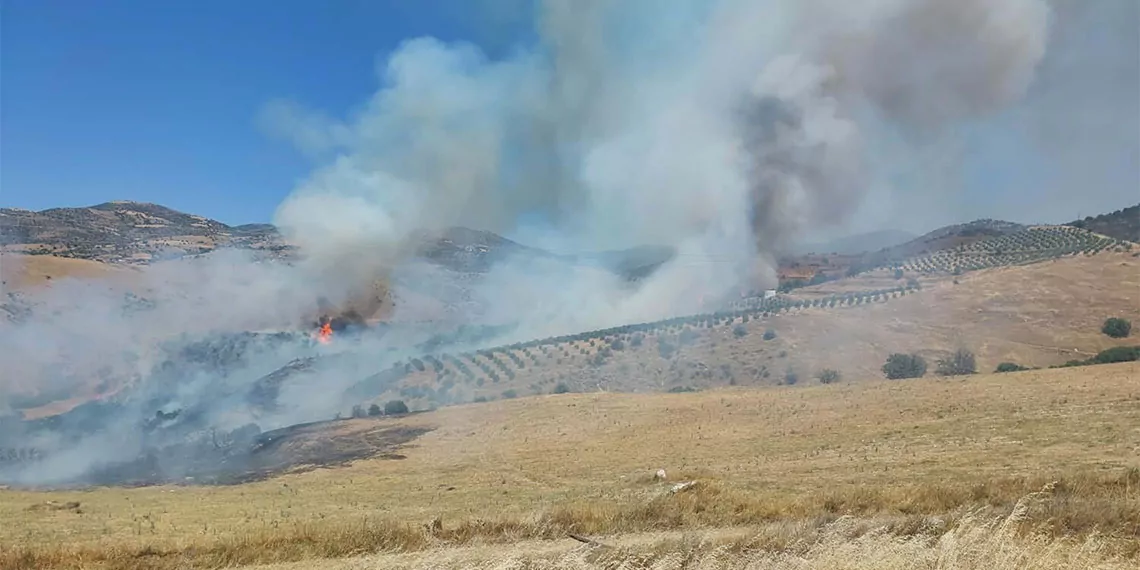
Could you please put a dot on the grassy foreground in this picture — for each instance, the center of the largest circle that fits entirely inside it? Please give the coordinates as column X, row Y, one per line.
column 1020, row 470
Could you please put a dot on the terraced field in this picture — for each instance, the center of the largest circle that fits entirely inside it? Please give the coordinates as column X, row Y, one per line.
column 1030, row 245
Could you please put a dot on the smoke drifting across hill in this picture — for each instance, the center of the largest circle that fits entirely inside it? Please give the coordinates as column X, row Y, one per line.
column 721, row 128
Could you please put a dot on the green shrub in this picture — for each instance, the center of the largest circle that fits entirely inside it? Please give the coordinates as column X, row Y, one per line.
column 740, row 331
column 769, row 334
column 1117, row 354
column 960, row 363
column 561, row 388
column 1009, row 367
column 374, row 410
column 509, row 394
column 900, row 366
column 828, row 376
column 1116, row 327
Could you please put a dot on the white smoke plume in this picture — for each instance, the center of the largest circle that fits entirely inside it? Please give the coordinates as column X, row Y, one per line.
column 724, row 129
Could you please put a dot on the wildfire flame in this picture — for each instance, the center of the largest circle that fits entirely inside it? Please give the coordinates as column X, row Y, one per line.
column 324, row 334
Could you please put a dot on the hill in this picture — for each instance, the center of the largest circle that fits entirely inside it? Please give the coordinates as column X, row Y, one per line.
column 126, row 232
column 858, row 243
column 953, row 250
column 1037, row 315
column 1039, row 461
column 1122, row 224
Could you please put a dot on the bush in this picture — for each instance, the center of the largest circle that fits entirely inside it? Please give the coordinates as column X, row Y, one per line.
column 828, row 376
column 960, row 363
column 395, row 407
column 374, row 410
column 769, row 334
column 739, row 331
column 509, row 394
column 790, row 377
column 1117, row 354
column 1009, row 367
column 1117, row 327
column 561, row 388
column 900, row 366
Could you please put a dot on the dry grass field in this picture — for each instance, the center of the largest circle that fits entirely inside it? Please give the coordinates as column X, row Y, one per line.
column 876, row 474
column 29, row 272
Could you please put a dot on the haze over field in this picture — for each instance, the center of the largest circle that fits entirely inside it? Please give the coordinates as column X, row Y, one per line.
column 728, row 130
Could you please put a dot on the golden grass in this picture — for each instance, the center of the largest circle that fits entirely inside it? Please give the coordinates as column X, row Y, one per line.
column 537, row 468
column 974, row 543
column 26, row 272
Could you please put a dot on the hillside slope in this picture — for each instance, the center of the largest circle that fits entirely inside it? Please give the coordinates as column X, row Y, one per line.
column 1035, row 315
column 127, row 232
column 899, row 452
column 1121, row 224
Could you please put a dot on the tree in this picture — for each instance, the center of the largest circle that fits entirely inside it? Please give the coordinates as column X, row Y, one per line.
column 828, row 376
column 900, row 366
column 1116, row 327
column 960, row 363
column 395, row 407
column 374, row 410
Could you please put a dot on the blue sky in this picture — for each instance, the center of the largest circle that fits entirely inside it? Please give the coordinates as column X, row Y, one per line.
column 158, row 101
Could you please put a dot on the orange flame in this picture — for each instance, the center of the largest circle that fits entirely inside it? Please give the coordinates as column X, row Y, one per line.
column 324, row 335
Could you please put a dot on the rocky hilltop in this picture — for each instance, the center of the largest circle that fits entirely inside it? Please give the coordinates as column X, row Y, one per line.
column 128, row 232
